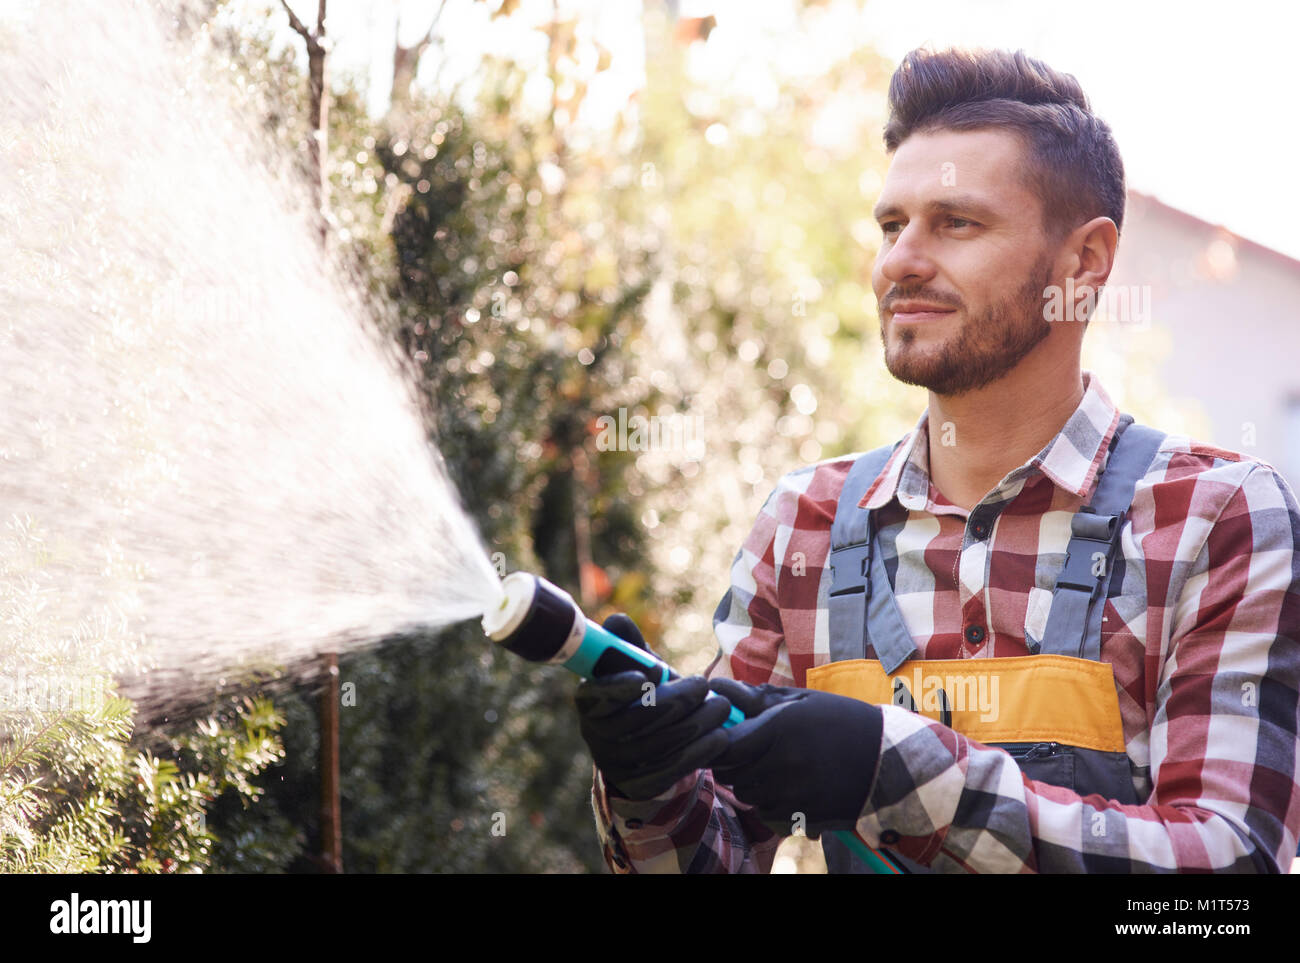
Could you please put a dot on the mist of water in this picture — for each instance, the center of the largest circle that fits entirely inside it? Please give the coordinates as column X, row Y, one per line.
column 207, row 460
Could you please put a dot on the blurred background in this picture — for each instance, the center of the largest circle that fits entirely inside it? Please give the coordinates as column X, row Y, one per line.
column 594, row 217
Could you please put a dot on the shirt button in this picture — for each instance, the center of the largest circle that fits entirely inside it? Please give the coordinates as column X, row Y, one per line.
column 974, row 634
column 980, row 530
column 889, row 837
column 634, row 823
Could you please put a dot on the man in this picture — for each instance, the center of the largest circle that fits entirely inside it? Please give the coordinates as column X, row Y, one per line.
column 1031, row 637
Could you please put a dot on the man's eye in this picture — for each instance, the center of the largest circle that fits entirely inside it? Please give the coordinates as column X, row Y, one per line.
column 960, row 222
column 889, row 227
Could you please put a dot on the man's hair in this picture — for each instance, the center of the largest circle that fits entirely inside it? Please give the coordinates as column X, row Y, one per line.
column 1072, row 162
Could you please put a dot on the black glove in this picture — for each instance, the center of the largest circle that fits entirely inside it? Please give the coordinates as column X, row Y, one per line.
column 643, row 749
column 800, row 751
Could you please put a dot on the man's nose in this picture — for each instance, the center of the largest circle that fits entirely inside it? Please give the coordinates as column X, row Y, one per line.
column 908, row 259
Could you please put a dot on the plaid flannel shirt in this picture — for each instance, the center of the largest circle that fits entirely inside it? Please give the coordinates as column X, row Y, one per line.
column 1203, row 638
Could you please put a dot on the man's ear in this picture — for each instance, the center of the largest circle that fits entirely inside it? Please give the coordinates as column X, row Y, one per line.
column 1089, row 256
column 1083, row 264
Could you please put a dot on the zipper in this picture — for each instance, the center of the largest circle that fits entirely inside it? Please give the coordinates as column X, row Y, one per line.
column 1023, row 751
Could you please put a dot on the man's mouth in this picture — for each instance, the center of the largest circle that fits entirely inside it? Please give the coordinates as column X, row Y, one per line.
column 916, row 312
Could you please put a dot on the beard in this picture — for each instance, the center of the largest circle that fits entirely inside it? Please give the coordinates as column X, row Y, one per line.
column 986, row 348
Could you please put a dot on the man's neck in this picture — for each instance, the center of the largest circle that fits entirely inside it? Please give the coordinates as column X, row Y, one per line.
column 977, row 438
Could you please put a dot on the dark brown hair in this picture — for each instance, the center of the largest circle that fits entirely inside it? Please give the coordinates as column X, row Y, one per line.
column 1072, row 162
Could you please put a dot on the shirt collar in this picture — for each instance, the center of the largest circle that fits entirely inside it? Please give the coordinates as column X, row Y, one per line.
column 1071, row 460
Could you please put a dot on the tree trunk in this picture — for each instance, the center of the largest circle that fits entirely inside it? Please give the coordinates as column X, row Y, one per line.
column 318, row 84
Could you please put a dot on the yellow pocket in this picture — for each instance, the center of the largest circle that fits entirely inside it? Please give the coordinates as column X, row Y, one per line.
column 1029, row 698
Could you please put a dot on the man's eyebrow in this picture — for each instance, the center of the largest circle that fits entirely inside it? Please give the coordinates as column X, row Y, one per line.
column 964, row 203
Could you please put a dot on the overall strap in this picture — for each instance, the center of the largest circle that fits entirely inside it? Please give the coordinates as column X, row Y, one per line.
column 850, row 559
column 1079, row 599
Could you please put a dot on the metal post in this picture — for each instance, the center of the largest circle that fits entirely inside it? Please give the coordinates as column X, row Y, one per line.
column 331, row 820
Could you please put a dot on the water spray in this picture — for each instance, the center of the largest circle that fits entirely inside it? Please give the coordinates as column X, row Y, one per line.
column 541, row 622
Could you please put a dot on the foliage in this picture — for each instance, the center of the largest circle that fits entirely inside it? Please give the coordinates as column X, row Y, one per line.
column 76, row 795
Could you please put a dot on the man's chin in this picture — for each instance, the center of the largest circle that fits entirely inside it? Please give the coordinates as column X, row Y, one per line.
column 909, row 367
column 942, row 379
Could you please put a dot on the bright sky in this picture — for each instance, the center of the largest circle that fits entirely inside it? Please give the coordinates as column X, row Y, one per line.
column 1201, row 96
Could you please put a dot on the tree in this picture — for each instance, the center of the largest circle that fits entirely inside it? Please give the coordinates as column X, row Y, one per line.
column 318, row 98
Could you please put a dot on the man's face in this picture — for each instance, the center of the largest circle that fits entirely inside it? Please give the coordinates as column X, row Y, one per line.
column 963, row 261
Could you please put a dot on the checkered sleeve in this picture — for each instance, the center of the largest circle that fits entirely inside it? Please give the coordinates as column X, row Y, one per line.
column 698, row 825
column 1224, row 590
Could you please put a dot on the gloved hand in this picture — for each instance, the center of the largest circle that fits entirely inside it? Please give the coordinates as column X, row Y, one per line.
column 800, row 751
column 643, row 749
